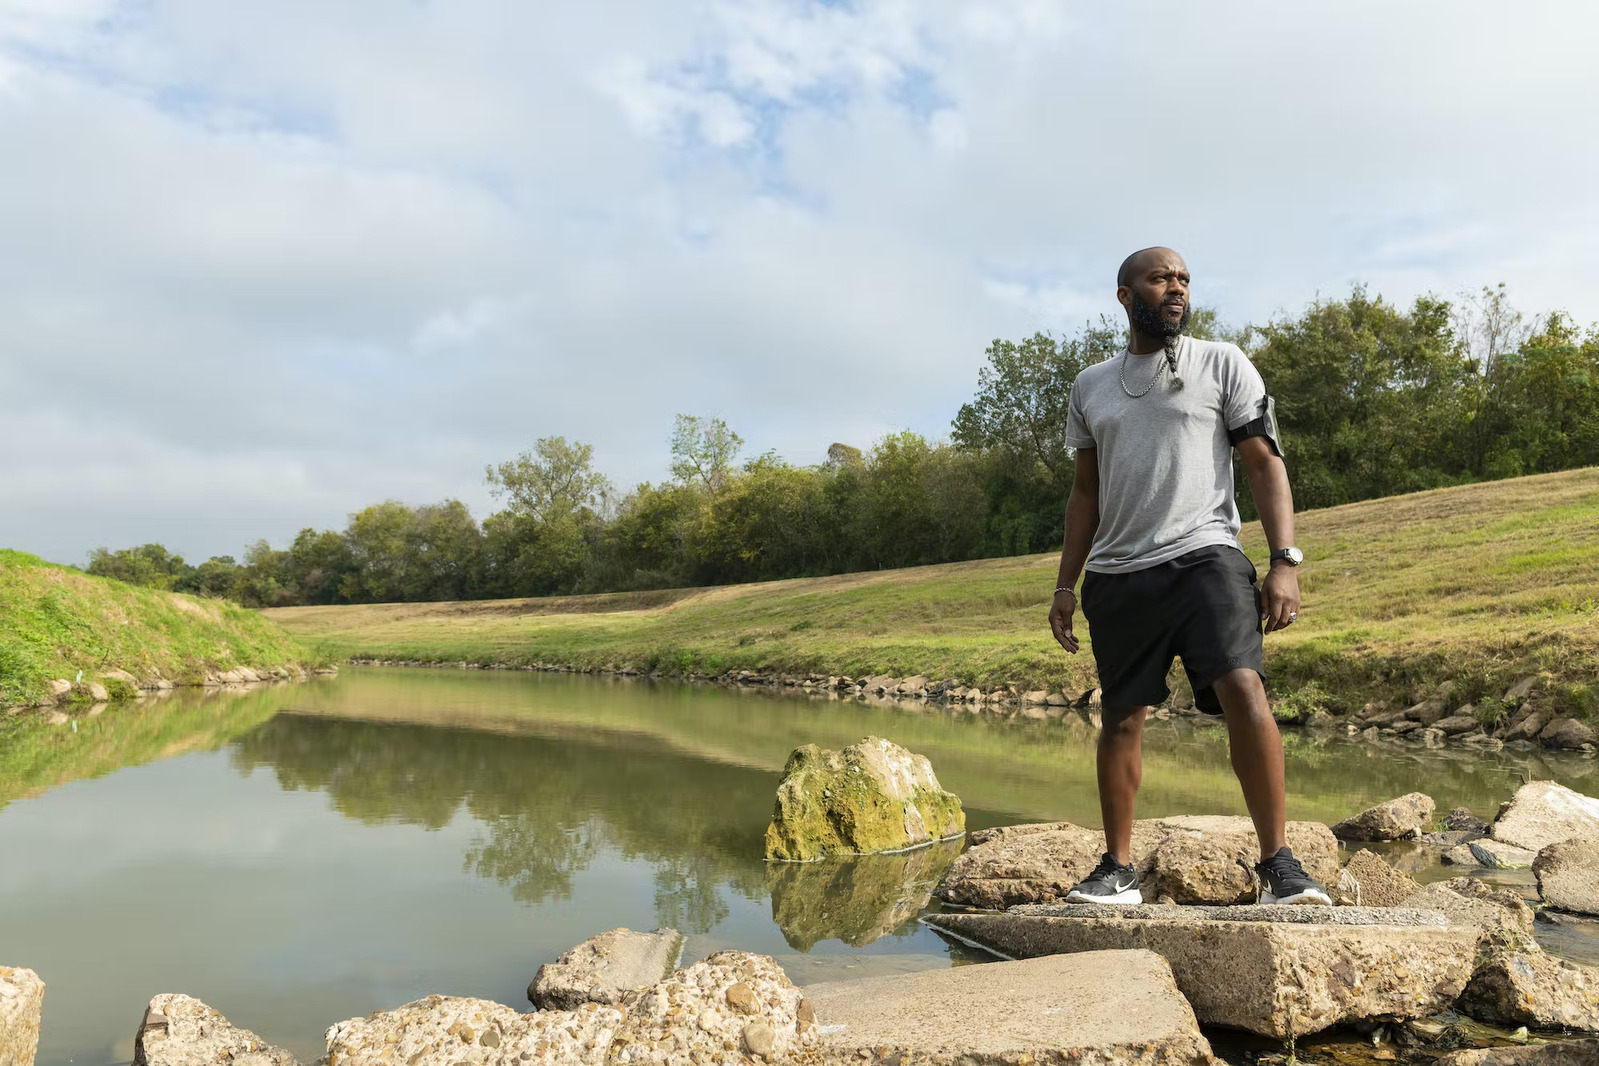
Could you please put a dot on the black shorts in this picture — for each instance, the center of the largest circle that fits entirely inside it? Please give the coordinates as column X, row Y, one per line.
column 1203, row 606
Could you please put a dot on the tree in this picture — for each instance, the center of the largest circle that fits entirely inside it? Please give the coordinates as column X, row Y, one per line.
column 150, row 565
column 1368, row 397
column 552, row 481
column 704, row 451
column 1024, row 392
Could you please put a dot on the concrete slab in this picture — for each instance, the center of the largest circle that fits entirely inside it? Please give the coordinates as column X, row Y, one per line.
column 1277, row 971
column 1106, row 1008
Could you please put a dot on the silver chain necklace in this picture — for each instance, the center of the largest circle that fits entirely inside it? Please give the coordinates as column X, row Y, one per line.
column 1160, row 364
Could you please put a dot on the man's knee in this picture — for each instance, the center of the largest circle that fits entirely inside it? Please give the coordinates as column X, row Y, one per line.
column 1124, row 727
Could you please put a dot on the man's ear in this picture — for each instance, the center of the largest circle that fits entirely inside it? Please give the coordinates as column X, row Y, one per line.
column 1124, row 295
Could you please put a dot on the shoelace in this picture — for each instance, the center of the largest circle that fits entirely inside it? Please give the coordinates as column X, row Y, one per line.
column 1284, row 867
column 1107, row 867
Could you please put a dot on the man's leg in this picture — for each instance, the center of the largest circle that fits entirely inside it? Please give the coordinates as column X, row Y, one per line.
column 1257, row 752
column 1120, row 761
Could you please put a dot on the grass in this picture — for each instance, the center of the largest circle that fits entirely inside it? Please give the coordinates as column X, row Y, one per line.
column 56, row 621
column 1478, row 584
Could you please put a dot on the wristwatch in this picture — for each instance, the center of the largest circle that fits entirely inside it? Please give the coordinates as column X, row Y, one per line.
column 1291, row 556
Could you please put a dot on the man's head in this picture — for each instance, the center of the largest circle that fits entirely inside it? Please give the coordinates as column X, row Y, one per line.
column 1152, row 285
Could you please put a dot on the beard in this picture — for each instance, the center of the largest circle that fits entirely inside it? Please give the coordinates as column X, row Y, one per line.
column 1149, row 320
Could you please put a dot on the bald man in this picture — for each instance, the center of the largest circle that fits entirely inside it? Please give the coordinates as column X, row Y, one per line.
column 1152, row 519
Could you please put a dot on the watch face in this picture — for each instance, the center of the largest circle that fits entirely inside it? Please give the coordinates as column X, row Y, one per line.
column 1295, row 556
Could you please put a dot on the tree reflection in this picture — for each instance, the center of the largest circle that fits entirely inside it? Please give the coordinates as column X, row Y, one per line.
column 548, row 805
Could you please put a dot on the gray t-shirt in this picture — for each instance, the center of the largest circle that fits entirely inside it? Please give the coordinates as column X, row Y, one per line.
column 1165, row 461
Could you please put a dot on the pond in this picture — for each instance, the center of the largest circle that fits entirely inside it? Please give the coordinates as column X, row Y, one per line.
column 298, row 855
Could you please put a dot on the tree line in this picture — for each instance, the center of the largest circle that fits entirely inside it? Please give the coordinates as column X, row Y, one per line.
column 1372, row 400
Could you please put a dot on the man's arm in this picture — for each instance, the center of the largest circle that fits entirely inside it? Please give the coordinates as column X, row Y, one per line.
column 1268, row 480
column 1082, row 519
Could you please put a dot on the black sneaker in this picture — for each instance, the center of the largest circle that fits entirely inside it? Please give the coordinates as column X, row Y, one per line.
column 1111, row 882
column 1283, row 880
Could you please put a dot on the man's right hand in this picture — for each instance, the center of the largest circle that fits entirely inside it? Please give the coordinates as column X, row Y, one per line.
column 1060, row 619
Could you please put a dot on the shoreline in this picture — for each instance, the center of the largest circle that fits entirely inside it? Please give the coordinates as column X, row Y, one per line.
column 125, row 688
column 1373, row 722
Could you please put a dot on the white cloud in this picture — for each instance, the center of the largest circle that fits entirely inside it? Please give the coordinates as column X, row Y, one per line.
column 268, row 263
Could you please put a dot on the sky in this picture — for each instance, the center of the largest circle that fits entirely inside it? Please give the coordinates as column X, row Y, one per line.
column 263, row 264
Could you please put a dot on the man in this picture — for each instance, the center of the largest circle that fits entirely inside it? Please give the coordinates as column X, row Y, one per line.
column 1151, row 515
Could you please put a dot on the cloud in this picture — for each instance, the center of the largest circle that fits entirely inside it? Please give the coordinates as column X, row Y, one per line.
column 268, row 263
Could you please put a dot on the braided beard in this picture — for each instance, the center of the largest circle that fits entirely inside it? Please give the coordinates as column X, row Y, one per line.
column 1149, row 320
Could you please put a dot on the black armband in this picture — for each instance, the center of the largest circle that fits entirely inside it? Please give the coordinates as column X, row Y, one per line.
column 1262, row 425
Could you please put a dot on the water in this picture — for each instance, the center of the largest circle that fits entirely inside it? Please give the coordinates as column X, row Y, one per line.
column 301, row 855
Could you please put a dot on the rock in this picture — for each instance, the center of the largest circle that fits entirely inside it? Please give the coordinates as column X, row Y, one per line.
column 1543, row 813
column 873, row 796
column 1036, row 696
column 1461, row 820
column 1426, row 712
column 1275, row 970
column 122, row 676
column 1521, row 689
column 97, row 692
column 1060, row 1009
column 178, row 1030
column 1368, row 881
column 1197, row 859
column 1567, row 734
column 1531, row 988
column 1456, row 723
column 447, row 1030
column 21, row 1002
column 603, row 968
column 1554, row 1053
column 1393, row 820
column 1057, row 699
column 1502, row 919
column 1528, row 726
column 1485, row 742
column 655, row 1031
column 1568, row 875
column 1460, row 855
column 247, row 675
column 854, row 898
column 1497, row 856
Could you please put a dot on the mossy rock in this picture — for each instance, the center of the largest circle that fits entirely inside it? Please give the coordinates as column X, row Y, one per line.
column 873, row 796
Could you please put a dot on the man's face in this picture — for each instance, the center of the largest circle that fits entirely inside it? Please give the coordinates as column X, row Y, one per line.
column 1156, row 297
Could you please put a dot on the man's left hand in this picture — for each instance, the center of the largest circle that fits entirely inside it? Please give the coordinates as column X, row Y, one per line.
column 1279, row 597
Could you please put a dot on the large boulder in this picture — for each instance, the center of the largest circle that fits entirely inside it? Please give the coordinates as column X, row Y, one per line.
column 1275, row 970
column 1568, row 875
column 605, row 967
column 1109, row 1008
column 1368, row 881
column 1503, row 920
column 1543, row 813
column 873, row 796
column 1195, row 859
column 1568, row 734
column 445, row 1030
column 1530, row 988
column 179, row 1030
column 1552, row 1053
column 858, row 898
column 1394, row 819
column 21, row 1001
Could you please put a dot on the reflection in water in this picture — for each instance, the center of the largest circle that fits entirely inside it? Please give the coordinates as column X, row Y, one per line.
column 857, row 899
column 546, row 805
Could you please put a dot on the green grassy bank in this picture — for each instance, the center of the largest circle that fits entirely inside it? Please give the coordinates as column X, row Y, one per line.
column 1480, row 584
column 56, row 622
